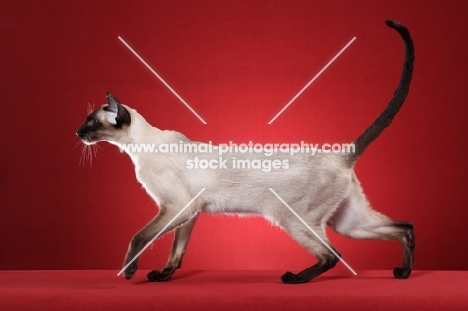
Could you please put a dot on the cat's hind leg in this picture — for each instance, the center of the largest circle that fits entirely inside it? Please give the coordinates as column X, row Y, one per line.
column 181, row 239
column 326, row 258
column 356, row 219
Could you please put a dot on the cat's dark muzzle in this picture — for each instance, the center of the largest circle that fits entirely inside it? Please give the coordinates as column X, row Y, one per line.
column 83, row 134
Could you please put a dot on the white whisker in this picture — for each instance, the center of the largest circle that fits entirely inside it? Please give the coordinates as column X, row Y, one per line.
column 90, row 155
column 83, row 147
column 89, row 108
column 87, row 154
column 77, row 144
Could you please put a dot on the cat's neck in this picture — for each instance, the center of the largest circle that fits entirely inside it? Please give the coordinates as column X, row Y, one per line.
column 141, row 133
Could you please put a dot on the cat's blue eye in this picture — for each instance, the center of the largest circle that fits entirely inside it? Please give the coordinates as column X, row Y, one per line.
column 93, row 122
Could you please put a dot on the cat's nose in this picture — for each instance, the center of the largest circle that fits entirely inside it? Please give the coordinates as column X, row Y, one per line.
column 80, row 134
column 81, row 131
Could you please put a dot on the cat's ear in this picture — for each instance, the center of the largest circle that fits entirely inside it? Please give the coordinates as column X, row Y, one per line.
column 113, row 105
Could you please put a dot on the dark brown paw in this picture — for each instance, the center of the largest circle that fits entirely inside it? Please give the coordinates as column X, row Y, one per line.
column 291, row 278
column 159, row 276
column 130, row 271
column 401, row 273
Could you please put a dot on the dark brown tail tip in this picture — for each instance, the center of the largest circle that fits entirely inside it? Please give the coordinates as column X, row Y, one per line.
column 392, row 24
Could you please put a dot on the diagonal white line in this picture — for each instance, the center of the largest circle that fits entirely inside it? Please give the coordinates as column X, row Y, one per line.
column 162, row 230
column 313, row 79
column 313, row 231
column 162, row 80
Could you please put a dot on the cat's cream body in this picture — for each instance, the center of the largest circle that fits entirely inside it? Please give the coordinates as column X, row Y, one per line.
column 323, row 189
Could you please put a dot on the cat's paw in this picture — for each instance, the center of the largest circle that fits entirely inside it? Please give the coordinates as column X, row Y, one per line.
column 401, row 273
column 291, row 278
column 130, row 271
column 159, row 276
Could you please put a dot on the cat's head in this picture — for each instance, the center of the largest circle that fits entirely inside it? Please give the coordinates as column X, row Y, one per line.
column 107, row 123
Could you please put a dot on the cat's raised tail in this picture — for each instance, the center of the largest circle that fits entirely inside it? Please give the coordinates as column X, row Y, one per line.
column 386, row 117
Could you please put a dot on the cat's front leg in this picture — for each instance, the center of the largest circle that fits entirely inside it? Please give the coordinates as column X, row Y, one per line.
column 159, row 225
column 179, row 245
column 134, row 248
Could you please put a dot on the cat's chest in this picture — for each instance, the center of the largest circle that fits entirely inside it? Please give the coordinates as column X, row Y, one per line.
column 158, row 177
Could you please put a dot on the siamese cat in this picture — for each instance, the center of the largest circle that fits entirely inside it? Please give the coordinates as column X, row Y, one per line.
column 323, row 189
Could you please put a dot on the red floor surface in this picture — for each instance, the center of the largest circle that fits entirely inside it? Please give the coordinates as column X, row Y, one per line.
column 231, row 290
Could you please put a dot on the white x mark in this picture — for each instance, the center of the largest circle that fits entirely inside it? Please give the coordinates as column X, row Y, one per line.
column 162, row 80
column 200, row 118
column 313, row 79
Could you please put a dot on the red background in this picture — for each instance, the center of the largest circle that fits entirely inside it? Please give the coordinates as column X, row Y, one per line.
column 237, row 64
